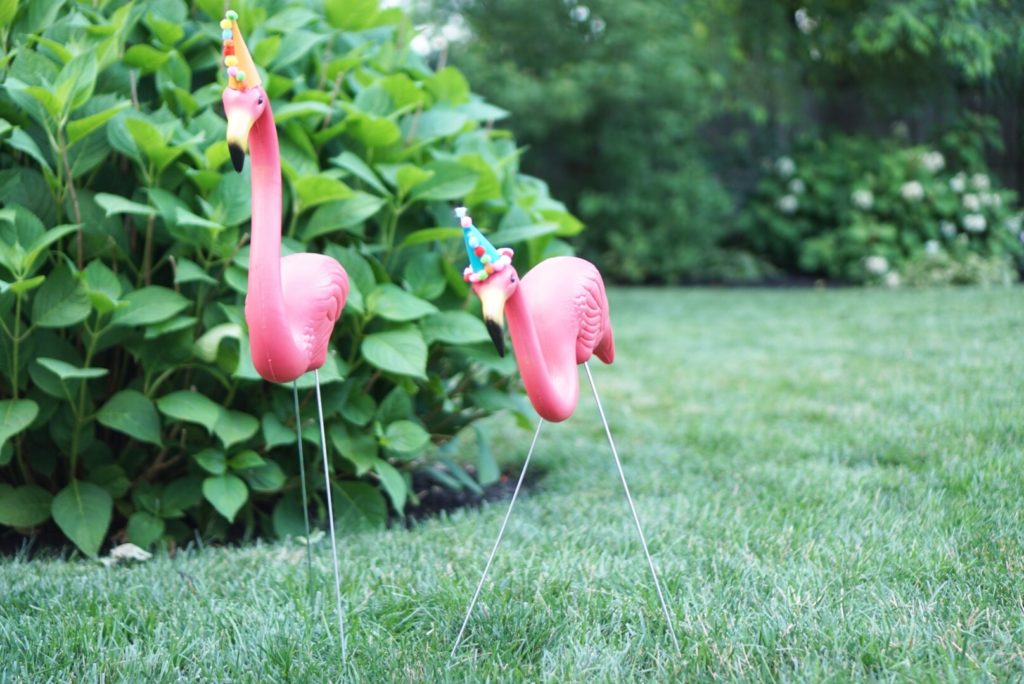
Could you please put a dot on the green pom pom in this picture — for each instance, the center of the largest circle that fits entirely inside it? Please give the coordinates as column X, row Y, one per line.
column 231, row 14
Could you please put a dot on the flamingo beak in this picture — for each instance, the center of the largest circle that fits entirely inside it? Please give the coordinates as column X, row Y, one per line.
column 493, row 305
column 239, row 124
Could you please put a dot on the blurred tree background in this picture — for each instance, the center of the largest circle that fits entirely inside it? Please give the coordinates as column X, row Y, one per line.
column 730, row 139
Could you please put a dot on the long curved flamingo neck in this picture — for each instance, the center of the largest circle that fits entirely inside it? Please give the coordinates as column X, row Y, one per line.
column 549, row 372
column 265, row 309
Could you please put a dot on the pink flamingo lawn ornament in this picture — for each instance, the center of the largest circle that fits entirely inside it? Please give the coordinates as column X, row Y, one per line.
column 557, row 318
column 293, row 302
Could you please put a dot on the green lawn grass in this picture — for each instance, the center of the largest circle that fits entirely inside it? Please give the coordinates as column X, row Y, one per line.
column 831, row 483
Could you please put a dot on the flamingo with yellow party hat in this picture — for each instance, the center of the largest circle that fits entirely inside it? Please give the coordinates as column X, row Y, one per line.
column 293, row 302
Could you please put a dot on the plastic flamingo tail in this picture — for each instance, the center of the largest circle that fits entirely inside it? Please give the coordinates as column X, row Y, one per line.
column 605, row 349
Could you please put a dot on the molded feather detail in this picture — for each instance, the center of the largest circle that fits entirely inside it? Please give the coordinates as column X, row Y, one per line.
column 313, row 307
column 591, row 305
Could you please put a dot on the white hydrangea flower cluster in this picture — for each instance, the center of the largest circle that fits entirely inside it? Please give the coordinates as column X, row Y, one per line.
column 788, row 204
column 975, row 223
column 876, row 264
column 933, row 161
column 912, row 191
column 863, row 198
column 958, row 183
column 785, row 167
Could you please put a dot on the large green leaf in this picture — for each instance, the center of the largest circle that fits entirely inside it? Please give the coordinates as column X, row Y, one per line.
column 314, row 190
column 60, row 302
column 212, row 461
column 287, row 517
column 449, row 85
column 76, row 81
column 424, row 276
column 149, row 305
column 393, row 483
column 8, row 9
column 402, row 351
column 79, row 128
column 233, row 427
column 359, row 407
column 352, row 163
column 191, row 407
column 357, row 446
column 267, row 477
column 227, row 493
column 101, row 286
column 487, row 470
column 244, row 459
column 276, row 433
column 145, row 57
column 454, row 327
column 395, row 304
column 451, row 180
column 132, row 413
column 428, row 235
column 511, row 236
column 65, row 371
column 144, row 529
column 37, row 246
column 342, row 214
column 83, row 510
column 405, row 437
column 115, row 204
column 358, row 507
column 15, row 416
column 26, row 506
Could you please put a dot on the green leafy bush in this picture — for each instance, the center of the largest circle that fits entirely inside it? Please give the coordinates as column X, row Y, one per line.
column 863, row 210
column 129, row 405
column 610, row 99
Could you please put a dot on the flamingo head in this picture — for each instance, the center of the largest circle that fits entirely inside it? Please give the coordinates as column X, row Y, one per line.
column 244, row 98
column 242, row 108
column 493, row 293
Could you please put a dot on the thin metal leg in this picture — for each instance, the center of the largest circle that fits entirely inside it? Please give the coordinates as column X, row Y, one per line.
column 302, row 479
column 497, row 541
column 330, row 519
column 632, row 507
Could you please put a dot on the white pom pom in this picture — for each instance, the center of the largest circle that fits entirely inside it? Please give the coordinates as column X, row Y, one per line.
column 460, row 211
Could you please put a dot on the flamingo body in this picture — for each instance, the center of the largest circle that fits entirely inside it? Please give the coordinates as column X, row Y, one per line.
column 558, row 318
column 314, row 288
column 564, row 294
column 292, row 303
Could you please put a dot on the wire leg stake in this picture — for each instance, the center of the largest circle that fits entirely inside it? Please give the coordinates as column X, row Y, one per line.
column 330, row 519
column 497, row 541
column 302, row 479
column 636, row 518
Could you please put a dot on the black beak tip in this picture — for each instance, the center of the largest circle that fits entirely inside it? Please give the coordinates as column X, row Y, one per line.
column 497, row 336
column 237, row 157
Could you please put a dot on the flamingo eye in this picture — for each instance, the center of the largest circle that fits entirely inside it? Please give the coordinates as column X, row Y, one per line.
column 260, row 101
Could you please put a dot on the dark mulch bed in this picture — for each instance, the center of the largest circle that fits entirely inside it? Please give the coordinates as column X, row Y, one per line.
column 435, row 499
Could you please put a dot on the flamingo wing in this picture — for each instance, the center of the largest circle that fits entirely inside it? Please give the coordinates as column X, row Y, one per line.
column 315, row 289
column 594, row 327
column 567, row 295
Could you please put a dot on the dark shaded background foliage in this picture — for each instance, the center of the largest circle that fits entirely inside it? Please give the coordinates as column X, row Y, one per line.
column 129, row 405
column 656, row 119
